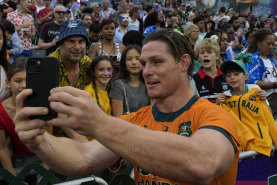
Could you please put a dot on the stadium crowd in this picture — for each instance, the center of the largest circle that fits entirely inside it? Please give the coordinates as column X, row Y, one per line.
column 101, row 50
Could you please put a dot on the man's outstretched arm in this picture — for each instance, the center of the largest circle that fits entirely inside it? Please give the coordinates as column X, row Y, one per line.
column 62, row 154
column 197, row 159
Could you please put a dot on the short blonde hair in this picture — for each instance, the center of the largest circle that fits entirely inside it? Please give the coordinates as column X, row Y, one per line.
column 208, row 45
column 189, row 28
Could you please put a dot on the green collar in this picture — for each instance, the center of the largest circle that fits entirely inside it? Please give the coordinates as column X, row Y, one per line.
column 169, row 117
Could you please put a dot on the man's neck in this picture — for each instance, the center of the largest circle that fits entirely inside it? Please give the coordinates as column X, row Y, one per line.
column 72, row 71
column 69, row 66
column 57, row 22
column 123, row 28
column 177, row 100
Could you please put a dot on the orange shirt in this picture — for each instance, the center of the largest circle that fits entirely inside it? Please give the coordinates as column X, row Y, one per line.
column 197, row 113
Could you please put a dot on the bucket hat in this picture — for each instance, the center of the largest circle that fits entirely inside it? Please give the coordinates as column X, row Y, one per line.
column 72, row 28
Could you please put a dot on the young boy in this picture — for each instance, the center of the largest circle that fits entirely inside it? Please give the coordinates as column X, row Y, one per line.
column 256, row 127
column 209, row 79
column 235, row 75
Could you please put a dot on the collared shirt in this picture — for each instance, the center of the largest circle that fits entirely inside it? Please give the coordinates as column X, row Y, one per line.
column 84, row 79
column 208, row 87
column 18, row 20
column 118, row 35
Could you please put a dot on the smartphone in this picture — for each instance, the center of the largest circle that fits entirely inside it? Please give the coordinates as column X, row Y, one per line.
column 113, row 57
column 42, row 75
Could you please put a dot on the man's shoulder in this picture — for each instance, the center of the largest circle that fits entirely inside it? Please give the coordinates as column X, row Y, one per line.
column 142, row 114
column 86, row 60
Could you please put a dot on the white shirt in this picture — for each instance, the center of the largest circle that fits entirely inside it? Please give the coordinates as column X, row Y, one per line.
column 270, row 74
column 133, row 25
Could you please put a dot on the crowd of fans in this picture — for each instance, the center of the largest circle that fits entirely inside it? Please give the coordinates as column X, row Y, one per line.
column 107, row 61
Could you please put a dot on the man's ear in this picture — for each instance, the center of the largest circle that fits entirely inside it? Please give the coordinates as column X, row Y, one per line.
column 185, row 62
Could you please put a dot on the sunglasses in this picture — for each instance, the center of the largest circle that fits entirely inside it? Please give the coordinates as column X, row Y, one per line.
column 60, row 12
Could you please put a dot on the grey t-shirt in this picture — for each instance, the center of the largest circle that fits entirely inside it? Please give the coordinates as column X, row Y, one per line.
column 137, row 97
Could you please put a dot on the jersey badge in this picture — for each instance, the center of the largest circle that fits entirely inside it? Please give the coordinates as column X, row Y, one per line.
column 184, row 129
column 252, row 98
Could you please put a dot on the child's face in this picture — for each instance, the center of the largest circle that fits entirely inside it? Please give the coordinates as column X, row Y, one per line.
column 133, row 64
column 17, row 83
column 207, row 58
column 236, row 79
column 103, row 72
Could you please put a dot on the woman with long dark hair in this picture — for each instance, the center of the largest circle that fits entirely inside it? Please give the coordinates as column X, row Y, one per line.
column 101, row 72
column 263, row 71
column 153, row 21
column 128, row 92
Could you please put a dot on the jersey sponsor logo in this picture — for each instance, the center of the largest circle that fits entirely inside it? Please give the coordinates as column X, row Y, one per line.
column 184, row 129
column 203, row 87
column 225, row 87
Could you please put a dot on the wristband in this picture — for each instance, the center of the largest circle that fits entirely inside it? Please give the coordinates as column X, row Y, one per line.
column 274, row 85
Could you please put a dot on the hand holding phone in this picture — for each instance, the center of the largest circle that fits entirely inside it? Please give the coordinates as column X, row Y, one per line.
column 42, row 76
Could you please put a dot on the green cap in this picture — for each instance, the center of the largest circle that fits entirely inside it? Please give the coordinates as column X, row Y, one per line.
column 226, row 65
column 246, row 57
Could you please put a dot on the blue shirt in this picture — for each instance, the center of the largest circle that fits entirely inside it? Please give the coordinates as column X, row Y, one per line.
column 257, row 70
column 15, row 46
column 149, row 29
column 118, row 36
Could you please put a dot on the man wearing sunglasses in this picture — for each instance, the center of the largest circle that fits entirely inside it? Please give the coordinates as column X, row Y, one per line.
column 121, row 30
column 50, row 31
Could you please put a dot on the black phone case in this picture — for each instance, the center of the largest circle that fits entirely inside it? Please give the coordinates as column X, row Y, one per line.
column 41, row 83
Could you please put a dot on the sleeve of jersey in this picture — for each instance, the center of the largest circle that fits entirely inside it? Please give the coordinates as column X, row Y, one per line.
column 216, row 118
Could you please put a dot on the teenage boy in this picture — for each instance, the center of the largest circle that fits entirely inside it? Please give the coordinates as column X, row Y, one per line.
column 209, row 79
